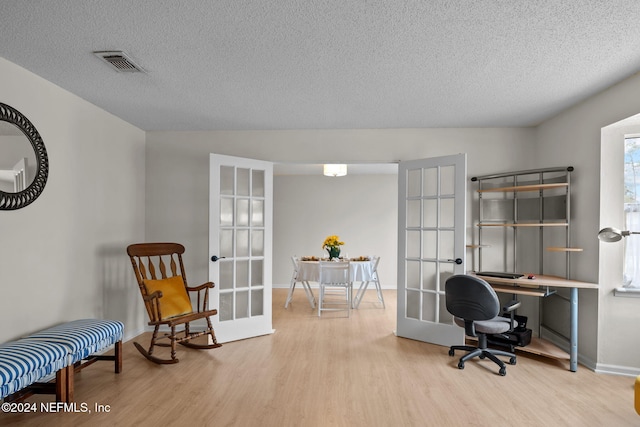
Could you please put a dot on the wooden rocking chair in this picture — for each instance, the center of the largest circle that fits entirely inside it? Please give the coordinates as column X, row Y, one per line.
column 166, row 298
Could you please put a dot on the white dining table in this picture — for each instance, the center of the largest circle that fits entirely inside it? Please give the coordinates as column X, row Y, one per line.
column 359, row 271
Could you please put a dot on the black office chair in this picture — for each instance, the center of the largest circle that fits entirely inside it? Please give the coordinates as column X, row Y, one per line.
column 475, row 307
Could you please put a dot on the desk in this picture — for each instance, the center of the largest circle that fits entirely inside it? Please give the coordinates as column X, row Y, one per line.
column 541, row 287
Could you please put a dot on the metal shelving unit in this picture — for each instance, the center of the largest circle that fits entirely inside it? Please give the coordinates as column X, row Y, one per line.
column 518, row 213
column 529, row 199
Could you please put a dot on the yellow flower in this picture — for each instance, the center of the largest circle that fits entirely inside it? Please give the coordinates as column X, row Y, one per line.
column 332, row 241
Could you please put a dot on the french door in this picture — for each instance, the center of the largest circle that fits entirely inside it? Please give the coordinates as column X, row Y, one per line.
column 431, row 245
column 240, row 235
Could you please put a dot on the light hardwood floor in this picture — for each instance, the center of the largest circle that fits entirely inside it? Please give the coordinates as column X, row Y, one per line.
column 337, row 371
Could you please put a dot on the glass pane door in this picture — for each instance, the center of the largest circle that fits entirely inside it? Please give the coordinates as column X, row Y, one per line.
column 240, row 244
column 431, row 215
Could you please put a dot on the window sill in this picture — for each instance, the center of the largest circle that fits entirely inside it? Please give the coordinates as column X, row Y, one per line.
column 627, row 292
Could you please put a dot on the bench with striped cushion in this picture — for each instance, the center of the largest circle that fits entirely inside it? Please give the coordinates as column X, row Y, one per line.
column 24, row 363
column 82, row 339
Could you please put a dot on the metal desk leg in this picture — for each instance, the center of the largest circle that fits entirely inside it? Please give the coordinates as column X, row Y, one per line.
column 573, row 351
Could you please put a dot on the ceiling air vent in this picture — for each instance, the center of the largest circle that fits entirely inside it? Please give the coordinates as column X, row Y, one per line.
column 120, row 61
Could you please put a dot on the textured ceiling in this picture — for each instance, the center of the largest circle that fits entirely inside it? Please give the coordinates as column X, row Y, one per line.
column 323, row 64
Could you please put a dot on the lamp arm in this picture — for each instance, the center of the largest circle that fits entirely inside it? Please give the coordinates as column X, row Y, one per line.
column 612, row 234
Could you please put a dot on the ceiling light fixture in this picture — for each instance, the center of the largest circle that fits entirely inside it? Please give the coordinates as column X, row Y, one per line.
column 335, row 170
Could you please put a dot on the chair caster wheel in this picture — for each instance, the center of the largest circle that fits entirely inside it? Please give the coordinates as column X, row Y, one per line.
column 503, row 371
column 460, row 365
column 451, row 352
column 482, row 356
column 512, row 361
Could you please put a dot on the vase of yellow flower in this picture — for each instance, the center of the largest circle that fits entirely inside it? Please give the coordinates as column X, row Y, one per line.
column 332, row 245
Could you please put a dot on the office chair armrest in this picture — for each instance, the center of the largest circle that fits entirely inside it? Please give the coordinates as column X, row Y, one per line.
column 469, row 328
column 511, row 306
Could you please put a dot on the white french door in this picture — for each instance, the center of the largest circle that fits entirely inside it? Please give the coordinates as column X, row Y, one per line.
column 431, row 245
column 240, row 235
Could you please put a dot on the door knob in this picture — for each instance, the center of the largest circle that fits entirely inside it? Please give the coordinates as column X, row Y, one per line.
column 457, row 260
column 216, row 258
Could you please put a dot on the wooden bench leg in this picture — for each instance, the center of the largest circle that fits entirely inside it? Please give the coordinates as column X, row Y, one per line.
column 62, row 394
column 70, row 381
column 118, row 357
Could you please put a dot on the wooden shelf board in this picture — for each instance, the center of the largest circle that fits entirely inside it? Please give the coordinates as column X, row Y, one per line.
column 540, row 280
column 559, row 249
column 520, row 290
column 523, row 224
column 533, row 187
column 538, row 346
column 542, row 347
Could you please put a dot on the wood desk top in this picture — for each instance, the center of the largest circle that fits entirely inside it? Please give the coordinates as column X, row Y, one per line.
column 551, row 281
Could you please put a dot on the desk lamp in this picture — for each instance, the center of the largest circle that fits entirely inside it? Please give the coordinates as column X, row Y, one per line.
column 611, row 234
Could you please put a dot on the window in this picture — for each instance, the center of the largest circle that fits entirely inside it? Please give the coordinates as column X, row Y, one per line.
column 632, row 211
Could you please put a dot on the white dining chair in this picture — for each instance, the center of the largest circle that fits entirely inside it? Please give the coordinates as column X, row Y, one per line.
column 295, row 279
column 334, row 276
column 363, row 286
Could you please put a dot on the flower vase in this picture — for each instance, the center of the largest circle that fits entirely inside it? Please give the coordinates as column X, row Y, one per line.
column 334, row 252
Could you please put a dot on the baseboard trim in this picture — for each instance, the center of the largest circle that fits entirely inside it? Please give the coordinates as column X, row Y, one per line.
column 625, row 371
column 128, row 336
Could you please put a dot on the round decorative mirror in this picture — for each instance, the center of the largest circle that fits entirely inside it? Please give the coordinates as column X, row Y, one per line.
column 24, row 165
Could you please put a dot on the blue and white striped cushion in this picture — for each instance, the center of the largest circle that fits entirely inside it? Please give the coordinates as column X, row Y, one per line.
column 23, row 362
column 82, row 337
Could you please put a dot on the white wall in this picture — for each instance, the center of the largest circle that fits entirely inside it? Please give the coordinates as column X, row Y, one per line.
column 361, row 209
column 63, row 257
column 574, row 137
column 617, row 353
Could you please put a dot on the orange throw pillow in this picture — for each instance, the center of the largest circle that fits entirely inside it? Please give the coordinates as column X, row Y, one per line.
column 175, row 300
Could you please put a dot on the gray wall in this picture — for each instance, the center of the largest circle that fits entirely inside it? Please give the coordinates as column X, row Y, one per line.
column 607, row 331
column 62, row 257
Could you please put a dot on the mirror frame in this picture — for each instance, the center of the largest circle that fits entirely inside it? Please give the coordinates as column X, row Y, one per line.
column 12, row 201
